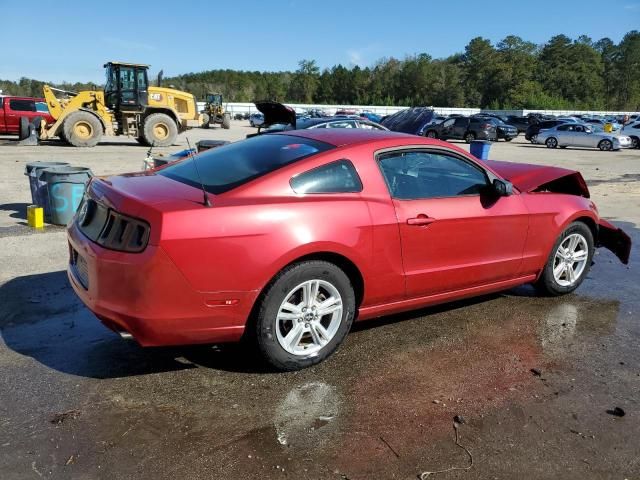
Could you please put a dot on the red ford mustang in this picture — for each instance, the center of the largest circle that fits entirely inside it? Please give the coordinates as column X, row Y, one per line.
column 285, row 239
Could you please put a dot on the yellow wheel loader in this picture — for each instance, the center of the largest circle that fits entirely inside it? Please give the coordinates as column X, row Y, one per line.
column 214, row 112
column 126, row 106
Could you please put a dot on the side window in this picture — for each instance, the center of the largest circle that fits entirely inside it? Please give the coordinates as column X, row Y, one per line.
column 368, row 126
column 22, row 105
column 335, row 177
column 563, row 128
column 449, row 122
column 414, row 175
column 460, row 122
column 579, row 128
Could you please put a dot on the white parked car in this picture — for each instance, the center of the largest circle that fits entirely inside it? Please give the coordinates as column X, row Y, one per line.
column 632, row 130
column 580, row 135
column 256, row 119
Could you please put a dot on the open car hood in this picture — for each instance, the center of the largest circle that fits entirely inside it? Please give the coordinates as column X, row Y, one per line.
column 275, row 112
column 529, row 178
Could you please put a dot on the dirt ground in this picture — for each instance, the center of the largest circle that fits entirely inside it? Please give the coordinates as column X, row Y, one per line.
column 77, row 402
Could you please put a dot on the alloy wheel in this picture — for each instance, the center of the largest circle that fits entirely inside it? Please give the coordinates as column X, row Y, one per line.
column 605, row 145
column 570, row 260
column 309, row 317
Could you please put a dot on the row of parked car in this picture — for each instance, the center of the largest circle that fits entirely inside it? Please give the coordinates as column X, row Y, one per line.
column 605, row 133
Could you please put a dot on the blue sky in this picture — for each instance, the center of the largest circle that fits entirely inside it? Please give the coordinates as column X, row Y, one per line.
column 69, row 40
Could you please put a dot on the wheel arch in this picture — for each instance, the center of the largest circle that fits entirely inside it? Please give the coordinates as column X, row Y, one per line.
column 167, row 111
column 347, row 265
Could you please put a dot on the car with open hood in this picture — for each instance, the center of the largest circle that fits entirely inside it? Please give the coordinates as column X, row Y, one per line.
column 280, row 118
column 286, row 239
column 412, row 120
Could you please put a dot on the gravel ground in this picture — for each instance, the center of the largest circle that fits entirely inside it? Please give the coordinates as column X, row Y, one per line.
column 78, row 402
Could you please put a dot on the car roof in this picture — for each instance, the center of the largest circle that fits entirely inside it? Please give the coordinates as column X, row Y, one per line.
column 340, row 137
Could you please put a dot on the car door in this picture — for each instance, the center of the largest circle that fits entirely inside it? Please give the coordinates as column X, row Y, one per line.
column 564, row 134
column 580, row 137
column 460, row 127
column 19, row 108
column 446, row 129
column 455, row 232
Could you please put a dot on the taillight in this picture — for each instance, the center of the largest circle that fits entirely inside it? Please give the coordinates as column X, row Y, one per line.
column 124, row 233
column 486, row 126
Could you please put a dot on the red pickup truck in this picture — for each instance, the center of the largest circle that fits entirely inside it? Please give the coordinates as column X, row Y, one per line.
column 13, row 108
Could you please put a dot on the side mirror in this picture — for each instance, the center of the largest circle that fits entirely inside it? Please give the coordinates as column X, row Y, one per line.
column 502, row 187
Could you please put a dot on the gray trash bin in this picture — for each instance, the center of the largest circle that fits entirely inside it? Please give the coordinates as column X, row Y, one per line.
column 65, row 188
column 38, row 187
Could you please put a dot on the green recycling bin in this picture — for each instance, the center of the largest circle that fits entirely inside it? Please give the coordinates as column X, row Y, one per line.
column 65, row 188
column 38, row 187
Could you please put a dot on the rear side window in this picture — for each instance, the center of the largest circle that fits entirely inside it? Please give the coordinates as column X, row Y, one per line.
column 22, row 105
column 225, row 168
column 335, row 177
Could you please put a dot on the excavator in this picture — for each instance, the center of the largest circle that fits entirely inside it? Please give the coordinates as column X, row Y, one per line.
column 128, row 105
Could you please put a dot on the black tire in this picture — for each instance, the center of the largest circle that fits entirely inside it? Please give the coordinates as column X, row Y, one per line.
column 469, row 137
column 82, row 129
column 533, row 139
column 205, row 120
column 547, row 284
column 37, row 124
column 635, row 142
column 551, row 142
column 432, row 134
column 159, row 130
column 61, row 136
column 263, row 326
column 226, row 121
column 508, row 139
column 605, row 145
column 23, row 128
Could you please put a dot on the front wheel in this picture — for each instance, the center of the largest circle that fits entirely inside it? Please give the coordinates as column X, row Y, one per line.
column 226, row 121
column 469, row 137
column 635, row 142
column 304, row 315
column 205, row 120
column 432, row 134
column 159, row 130
column 605, row 145
column 569, row 261
column 534, row 139
column 551, row 142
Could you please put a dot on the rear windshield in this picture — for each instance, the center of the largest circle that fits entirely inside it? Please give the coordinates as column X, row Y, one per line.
column 225, row 168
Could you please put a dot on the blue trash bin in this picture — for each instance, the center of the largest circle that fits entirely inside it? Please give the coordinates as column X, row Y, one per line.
column 65, row 188
column 480, row 149
column 39, row 187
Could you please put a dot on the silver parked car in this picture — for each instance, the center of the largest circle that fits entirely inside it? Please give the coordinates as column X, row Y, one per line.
column 633, row 131
column 580, row 135
column 256, row 119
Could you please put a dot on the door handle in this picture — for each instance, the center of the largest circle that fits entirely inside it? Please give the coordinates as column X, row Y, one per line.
column 420, row 220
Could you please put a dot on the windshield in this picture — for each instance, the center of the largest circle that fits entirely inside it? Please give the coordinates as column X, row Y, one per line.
column 111, row 83
column 225, row 168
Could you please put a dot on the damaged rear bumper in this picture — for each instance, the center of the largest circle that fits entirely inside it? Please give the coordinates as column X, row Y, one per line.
column 614, row 239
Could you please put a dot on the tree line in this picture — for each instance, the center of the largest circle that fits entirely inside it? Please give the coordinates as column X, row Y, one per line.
column 563, row 73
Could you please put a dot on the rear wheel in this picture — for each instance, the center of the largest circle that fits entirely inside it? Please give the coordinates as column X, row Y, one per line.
column 304, row 315
column 551, row 142
column 469, row 137
column 23, row 128
column 159, row 130
column 205, row 120
column 605, row 145
column 226, row 121
column 569, row 261
column 533, row 138
column 635, row 142
column 82, row 129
